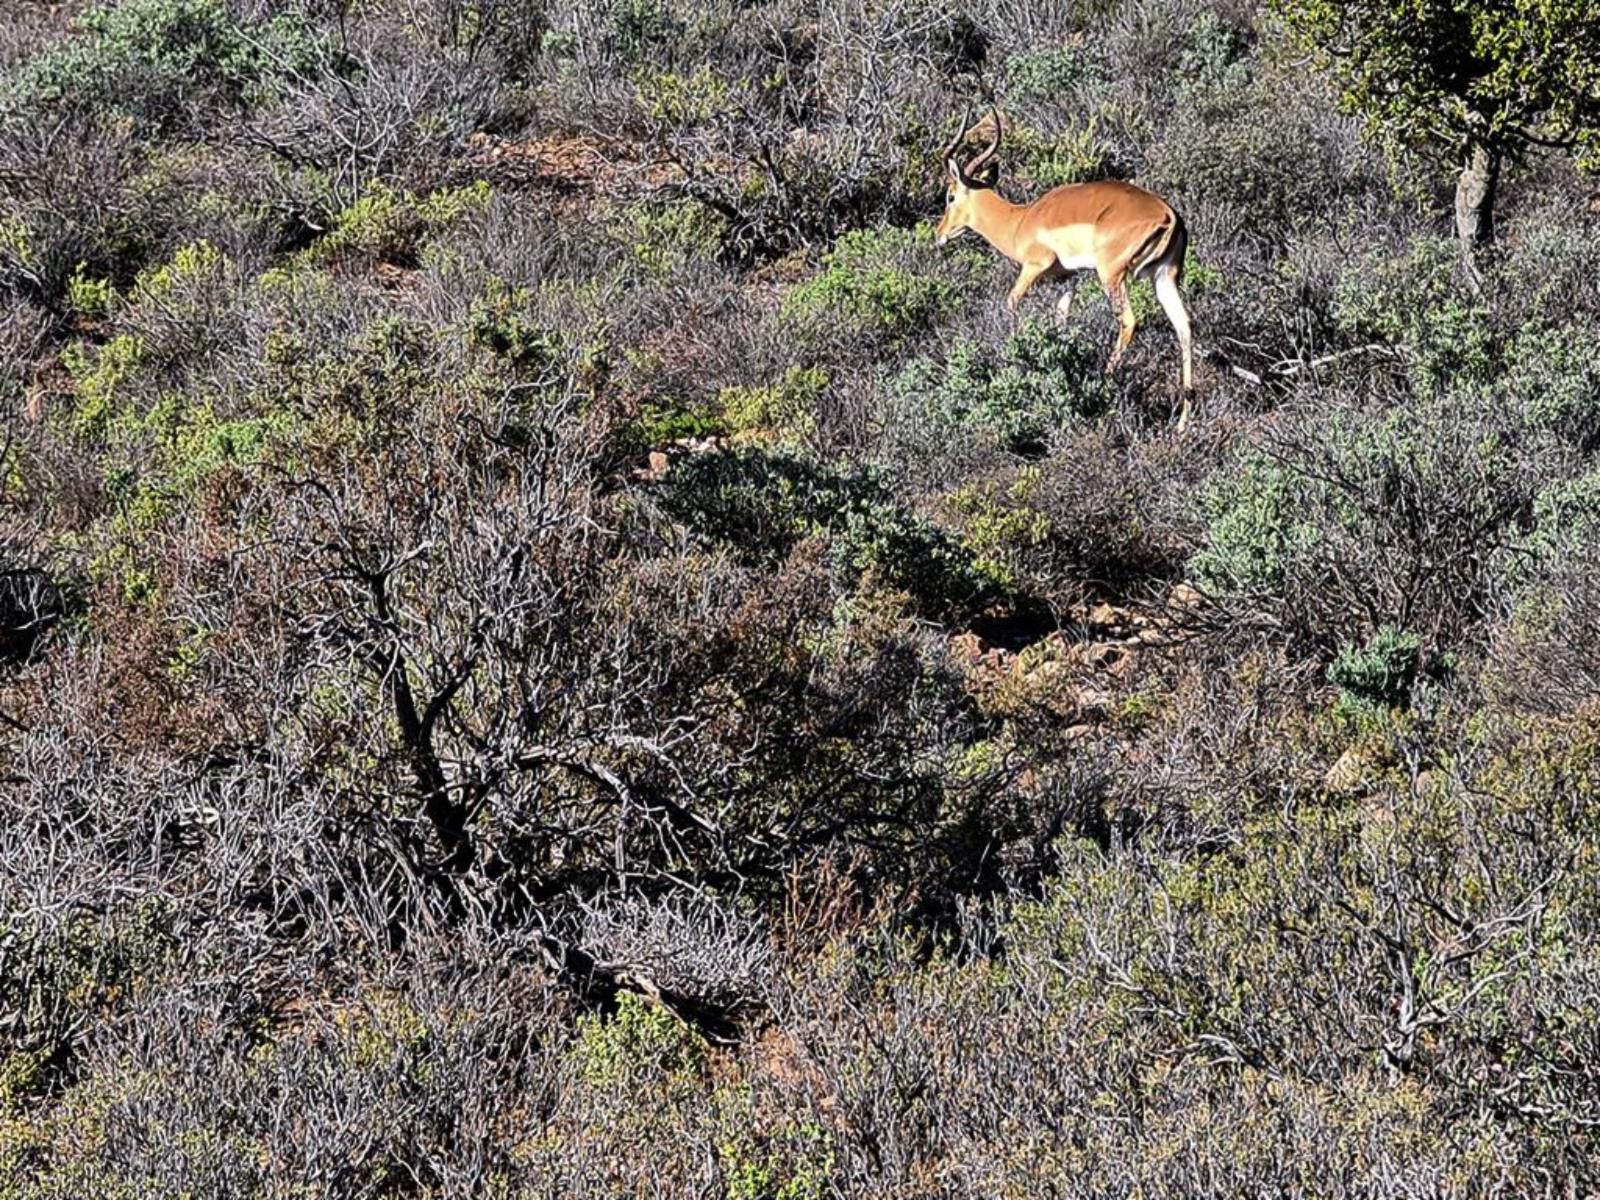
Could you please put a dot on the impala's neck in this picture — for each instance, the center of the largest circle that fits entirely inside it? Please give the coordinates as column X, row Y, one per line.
column 995, row 220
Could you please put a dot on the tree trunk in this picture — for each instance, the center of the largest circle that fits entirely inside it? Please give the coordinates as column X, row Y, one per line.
column 1475, row 197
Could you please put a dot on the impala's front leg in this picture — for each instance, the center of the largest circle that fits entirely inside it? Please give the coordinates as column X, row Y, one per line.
column 1025, row 281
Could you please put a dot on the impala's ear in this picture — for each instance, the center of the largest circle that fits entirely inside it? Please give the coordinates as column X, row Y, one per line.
column 988, row 175
column 952, row 169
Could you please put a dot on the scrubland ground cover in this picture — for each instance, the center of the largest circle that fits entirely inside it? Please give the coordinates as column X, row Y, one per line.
column 552, row 644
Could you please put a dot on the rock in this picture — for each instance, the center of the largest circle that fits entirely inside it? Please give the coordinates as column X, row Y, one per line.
column 655, row 467
column 967, row 646
column 1185, row 595
column 1099, row 655
column 1104, row 614
column 1347, row 775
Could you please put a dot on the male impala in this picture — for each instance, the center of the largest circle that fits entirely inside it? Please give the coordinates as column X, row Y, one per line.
column 1114, row 227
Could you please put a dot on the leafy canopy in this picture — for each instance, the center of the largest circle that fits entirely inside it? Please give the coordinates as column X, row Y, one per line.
column 1456, row 72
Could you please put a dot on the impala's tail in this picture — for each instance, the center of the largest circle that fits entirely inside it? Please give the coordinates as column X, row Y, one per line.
column 1166, row 264
column 1167, row 246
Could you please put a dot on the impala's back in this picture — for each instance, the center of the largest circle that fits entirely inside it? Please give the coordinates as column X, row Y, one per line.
column 1110, row 226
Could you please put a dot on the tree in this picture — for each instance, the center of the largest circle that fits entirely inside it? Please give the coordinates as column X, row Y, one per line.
column 1482, row 80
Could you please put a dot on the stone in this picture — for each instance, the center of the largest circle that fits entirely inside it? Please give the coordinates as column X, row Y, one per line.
column 1346, row 776
column 1104, row 614
column 1184, row 595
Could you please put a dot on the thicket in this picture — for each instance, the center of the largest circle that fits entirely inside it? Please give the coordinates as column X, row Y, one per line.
column 553, row 643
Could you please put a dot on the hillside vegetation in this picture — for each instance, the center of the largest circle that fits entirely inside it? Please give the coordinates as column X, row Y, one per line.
column 553, row 644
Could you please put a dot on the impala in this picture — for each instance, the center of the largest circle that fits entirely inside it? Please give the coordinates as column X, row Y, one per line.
column 1112, row 226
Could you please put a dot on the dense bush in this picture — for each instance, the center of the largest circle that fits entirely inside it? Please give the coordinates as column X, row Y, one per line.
column 762, row 506
column 552, row 643
column 165, row 63
column 1356, row 520
column 881, row 284
column 1038, row 383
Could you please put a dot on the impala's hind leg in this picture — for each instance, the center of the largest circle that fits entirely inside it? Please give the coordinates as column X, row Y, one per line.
column 1064, row 305
column 1117, row 292
column 1172, row 303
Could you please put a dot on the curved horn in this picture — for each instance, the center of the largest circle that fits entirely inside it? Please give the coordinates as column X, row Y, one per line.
column 992, row 149
column 955, row 143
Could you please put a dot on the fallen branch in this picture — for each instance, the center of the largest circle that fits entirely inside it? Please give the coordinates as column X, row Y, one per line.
column 1289, row 368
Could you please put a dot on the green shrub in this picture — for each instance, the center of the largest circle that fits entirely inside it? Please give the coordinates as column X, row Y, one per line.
column 1041, row 380
column 59, row 979
column 643, row 28
column 1379, row 674
column 665, row 419
column 888, row 284
column 389, row 224
column 1552, row 376
column 19, row 257
column 1254, row 524
column 761, row 505
column 676, row 99
column 504, row 321
column 148, row 58
column 90, row 297
column 665, row 236
column 1045, row 160
column 99, row 374
column 1003, row 525
column 185, row 309
column 1215, row 55
column 1390, row 515
column 1049, row 72
column 1563, row 527
column 801, row 1169
column 1566, row 516
column 639, row 1041
column 784, row 412
column 359, row 392
column 1418, row 303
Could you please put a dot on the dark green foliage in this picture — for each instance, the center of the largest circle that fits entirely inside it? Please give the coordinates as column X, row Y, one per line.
column 1462, row 73
column 1039, row 383
column 1419, row 302
column 1390, row 516
column 158, row 61
column 1381, row 672
column 886, row 285
column 762, row 505
column 1552, row 376
column 1256, row 527
column 1480, row 83
column 1051, row 70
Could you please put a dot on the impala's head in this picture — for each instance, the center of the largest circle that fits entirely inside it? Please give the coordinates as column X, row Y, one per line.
column 962, row 184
